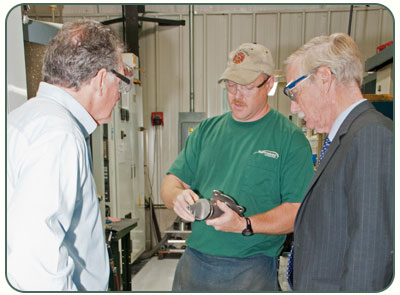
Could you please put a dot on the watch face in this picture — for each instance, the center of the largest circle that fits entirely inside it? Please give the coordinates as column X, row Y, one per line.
column 247, row 232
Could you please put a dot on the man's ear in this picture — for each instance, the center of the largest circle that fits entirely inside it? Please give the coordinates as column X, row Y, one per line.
column 98, row 81
column 325, row 73
column 270, row 83
column 326, row 76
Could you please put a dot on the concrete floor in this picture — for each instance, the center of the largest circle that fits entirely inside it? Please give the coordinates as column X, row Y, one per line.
column 158, row 274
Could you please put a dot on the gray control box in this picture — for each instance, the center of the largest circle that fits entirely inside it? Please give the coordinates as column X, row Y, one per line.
column 188, row 121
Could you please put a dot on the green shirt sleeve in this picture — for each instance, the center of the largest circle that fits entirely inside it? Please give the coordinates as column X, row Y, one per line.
column 185, row 165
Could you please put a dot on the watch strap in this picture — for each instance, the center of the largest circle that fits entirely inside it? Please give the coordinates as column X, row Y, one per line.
column 248, row 231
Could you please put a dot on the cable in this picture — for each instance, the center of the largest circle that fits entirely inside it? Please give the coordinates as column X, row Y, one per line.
column 113, row 268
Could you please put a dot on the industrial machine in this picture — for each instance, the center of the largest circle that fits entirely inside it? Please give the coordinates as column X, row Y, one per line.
column 118, row 162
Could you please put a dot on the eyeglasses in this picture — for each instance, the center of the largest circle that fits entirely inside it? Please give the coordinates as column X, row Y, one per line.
column 125, row 83
column 233, row 87
column 288, row 90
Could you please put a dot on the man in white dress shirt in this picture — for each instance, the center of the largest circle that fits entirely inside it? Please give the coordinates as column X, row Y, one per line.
column 55, row 240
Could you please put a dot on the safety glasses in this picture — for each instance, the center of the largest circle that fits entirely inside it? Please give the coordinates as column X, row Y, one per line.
column 288, row 90
column 233, row 87
column 126, row 81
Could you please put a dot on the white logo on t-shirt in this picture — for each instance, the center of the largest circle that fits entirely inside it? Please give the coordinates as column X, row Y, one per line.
column 267, row 153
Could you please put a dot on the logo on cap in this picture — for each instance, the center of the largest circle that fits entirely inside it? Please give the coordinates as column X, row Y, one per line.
column 238, row 58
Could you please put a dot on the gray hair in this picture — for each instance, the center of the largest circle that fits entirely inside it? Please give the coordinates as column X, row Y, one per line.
column 338, row 52
column 78, row 52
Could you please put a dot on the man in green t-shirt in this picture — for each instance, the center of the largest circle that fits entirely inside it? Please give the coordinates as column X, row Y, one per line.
column 254, row 155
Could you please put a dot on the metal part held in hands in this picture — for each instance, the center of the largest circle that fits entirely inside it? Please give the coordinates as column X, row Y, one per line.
column 208, row 209
column 201, row 210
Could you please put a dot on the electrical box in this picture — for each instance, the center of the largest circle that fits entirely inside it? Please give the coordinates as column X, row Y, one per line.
column 157, row 119
column 188, row 121
column 384, row 80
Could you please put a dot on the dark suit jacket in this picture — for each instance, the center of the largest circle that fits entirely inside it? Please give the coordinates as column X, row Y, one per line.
column 343, row 234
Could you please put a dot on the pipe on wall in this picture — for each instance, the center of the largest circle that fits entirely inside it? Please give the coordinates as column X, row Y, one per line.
column 350, row 20
column 191, row 57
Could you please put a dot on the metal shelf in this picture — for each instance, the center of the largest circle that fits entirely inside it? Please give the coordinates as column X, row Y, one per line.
column 380, row 59
column 176, row 235
column 176, row 231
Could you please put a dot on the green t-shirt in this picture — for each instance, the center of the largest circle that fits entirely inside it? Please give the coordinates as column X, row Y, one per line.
column 261, row 164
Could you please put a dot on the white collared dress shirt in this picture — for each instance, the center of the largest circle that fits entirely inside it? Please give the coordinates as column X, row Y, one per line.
column 55, row 238
column 340, row 119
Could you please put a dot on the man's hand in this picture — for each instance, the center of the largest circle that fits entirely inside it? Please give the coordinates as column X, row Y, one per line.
column 229, row 221
column 185, row 198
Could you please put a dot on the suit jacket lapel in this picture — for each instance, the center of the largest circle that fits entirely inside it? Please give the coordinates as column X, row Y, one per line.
column 343, row 129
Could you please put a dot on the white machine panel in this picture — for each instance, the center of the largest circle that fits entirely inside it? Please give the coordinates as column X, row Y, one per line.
column 124, row 165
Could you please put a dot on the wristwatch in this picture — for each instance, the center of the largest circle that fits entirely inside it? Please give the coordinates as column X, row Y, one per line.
column 248, row 231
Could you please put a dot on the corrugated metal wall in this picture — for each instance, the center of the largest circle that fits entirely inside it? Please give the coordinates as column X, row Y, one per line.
column 164, row 53
column 218, row 29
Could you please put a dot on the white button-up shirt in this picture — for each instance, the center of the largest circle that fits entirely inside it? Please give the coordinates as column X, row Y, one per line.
column 55, row 239
column 340, row 119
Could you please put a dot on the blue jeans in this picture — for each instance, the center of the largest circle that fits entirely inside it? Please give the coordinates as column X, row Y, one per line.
column 201, row 272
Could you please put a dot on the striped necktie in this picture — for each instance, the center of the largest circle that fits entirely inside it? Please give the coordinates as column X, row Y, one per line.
column 289, row 272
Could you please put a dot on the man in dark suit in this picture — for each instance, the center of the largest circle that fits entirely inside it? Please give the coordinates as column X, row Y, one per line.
column 343, row 236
